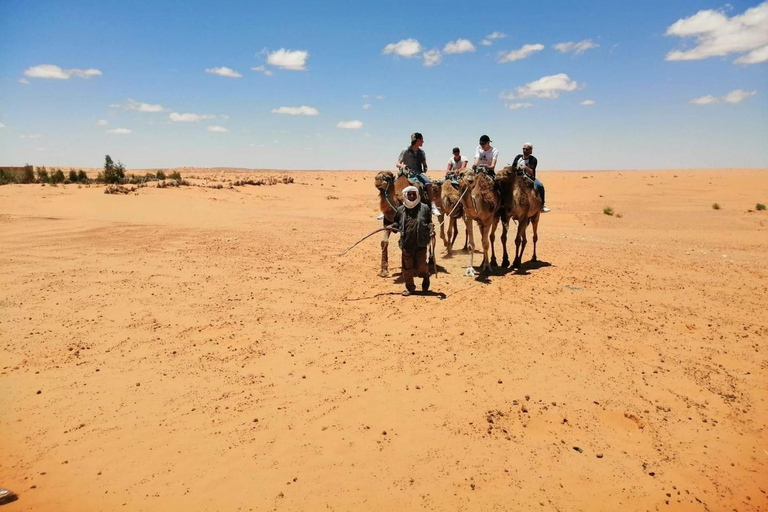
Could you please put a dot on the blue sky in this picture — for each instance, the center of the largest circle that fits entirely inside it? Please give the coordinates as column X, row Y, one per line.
column 341, row 85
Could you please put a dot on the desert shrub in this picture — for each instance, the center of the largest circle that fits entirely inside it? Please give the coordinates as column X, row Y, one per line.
column 759, row 207
column 608, row 210
column 42, row 175
column 73, row 176
column 3, row 179
column 57, row 176
column 715, row 206
column 175, row 175
column 113, row 172
column 82, row 177
column 28, row 175
column 160, row 175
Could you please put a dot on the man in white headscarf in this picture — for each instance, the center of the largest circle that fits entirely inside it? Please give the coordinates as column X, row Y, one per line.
column 414, row 221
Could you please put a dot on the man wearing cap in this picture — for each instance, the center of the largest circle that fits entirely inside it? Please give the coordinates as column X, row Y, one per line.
column 527, row 162
column 414, row 158
column 486, row 155
column 414, row 221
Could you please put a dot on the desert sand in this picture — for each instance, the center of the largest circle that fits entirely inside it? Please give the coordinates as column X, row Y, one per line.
column 199, row 349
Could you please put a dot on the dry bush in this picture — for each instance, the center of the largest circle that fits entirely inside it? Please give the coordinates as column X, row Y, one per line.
column 118, row 189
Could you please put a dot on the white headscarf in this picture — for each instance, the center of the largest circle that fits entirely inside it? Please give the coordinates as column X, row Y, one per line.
column 410, row 204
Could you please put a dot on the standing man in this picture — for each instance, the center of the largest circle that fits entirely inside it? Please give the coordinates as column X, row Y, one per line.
column 486, row 155
column 414, row 221
column 414, row 158
column 527, row 162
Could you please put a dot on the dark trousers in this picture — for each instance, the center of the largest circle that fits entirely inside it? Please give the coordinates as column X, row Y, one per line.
column 414, row 264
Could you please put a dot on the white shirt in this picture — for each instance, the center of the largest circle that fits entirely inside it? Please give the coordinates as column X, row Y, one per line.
column 486, row 157
column 456, row 165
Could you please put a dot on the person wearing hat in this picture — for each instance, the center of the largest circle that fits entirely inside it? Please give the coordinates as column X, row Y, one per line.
column 414, row 221
column 527, row 162
column 486, row 155
column 414, row 159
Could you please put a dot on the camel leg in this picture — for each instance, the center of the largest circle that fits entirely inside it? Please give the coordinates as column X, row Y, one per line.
column 484, row 233
column 494, row 263
column 440, row 220
column 384, row 272
column 520, row 242
column 504, row 231
column 470, row 272
column 468, row 228
column 518, row 239
column 451, row 234
column 535, row 223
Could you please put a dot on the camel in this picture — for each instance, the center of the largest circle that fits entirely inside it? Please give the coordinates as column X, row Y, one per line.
column 390, row 197
column 521, row 203
column 481, row 204
column 447, row 201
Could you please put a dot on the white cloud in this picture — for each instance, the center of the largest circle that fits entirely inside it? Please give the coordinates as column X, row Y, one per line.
column 459, row 46
column 379, row 96
column 432, row 58
column 515, row 106
column 297, row 111
column 545, row 87
column 23, row 81
column 490, row 38
column 224, row 71
column 407, row 48
column 704, row 100
column 733, row 97
column 217, row 129
column 119, row 131
column 575, row 47
column 262, row 69
column 53, row 71
column 350, row 125
column 587, row 103
column 525, row 51
column 738, row 95
column 718, row 35
column 2, row 125
column 32, row 136
column 132, row 104
column 287, row 59
column 189, row 118
column 754, row 57
column 366, row 106
column 102, row 122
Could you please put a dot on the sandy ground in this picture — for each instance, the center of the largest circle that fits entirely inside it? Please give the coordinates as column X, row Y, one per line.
column 197, row 349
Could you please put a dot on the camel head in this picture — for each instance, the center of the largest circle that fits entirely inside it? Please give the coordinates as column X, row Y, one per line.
column 466, row 178
column 384, row 180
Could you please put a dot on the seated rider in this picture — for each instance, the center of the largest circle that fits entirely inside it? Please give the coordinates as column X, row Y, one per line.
column 486, row 156
column 414, row 159
column 527, row 162
column 455, row 163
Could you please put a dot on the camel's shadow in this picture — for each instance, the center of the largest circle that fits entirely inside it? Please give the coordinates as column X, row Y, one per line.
column 485, row 277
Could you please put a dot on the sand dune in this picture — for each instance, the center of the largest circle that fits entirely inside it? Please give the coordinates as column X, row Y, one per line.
column 199, row 349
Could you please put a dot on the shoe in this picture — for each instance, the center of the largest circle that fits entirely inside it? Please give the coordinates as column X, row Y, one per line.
column 544, row 209
column 435, row 211
column 425, row 284
column 380, row 217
